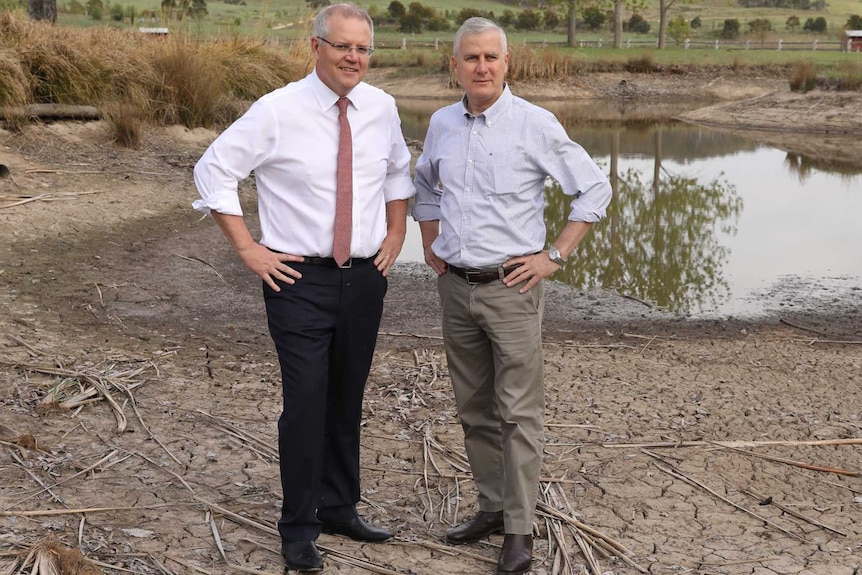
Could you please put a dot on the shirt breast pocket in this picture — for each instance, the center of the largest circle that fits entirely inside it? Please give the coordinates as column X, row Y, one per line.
column 503, row 180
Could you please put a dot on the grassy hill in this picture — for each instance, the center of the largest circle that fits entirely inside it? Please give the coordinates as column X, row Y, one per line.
column 286, row 19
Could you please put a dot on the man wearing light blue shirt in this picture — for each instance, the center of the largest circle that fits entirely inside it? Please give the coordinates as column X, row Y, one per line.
column 326, row 144
column 480, row 205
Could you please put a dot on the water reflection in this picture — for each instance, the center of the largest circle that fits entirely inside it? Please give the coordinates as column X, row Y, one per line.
column 701, row 219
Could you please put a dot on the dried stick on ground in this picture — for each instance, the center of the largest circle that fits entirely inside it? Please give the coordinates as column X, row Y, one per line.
column 793, row 512
column 793, row 462
column 670, row 470
column 83, row 471
column 737, row 444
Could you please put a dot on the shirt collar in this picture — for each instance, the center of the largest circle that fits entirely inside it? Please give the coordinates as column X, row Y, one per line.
column 495, row 111
column 326, row 98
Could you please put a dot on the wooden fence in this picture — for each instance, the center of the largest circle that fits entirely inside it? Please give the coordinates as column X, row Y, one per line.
column 813, row 45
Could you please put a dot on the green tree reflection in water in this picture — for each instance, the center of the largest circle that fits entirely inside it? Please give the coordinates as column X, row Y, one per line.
column 659, row 242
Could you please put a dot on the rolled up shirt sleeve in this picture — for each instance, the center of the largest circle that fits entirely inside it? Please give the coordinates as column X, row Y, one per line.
column 427, row 204
column 231, row 158
column 398, row 185
column 576, row 172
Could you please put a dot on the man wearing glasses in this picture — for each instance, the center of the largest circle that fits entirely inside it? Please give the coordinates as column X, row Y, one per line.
column 332, row 172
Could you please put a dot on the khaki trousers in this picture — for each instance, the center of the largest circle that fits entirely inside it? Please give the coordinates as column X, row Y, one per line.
column 493, row 340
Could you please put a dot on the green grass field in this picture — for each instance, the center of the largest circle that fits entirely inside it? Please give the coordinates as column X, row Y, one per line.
column 286, row 19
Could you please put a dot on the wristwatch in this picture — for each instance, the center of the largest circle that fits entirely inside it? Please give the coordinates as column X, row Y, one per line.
column 554, row 255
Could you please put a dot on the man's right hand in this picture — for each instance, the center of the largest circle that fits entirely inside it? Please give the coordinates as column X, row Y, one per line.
column 269, row 265
column 265, row 263
column 436, row 263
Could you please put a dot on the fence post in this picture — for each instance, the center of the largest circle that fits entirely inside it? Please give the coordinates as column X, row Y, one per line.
column 629, row 44
column 814, row 45
column 747, row 44
column 687, row 42
column 544, row 43
column 600, row 43
column 849, row 44
column 403, row 43
column 780, row 41
column 436, row 44
column 716, row 45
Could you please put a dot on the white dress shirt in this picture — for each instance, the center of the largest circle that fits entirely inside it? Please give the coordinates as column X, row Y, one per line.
column 289, row 137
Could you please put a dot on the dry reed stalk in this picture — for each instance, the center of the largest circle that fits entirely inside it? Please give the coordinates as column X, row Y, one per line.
column 82, row 472
column 36, row 478
column 620, row 550
column 416, row 335
column 206, row 263
column 100, row 381
column 792, row 512
column 51, row 512
column 340, row 557
column 449, row 550
column 737, row 444
column 232, row 566
column 673, row 472
column 248, row 439
column 36, row 351
column 216, row 536
column 801, row 464
column 428, row 502
column 588, row 554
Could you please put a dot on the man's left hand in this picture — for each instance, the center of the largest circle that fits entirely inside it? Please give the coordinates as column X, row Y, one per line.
column 533, row 269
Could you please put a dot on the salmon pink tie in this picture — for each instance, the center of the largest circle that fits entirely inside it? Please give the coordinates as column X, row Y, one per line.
column 343, row 188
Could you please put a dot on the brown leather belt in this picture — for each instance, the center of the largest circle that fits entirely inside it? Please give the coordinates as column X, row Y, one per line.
column 482, row 276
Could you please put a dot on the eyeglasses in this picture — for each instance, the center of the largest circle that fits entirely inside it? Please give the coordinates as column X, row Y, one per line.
column 346, row 48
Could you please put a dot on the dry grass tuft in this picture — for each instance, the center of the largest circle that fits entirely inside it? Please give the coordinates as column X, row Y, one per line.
column 643, row 64
column 804, row 77
column 526, row 63
column 136, row 80
column 126, row 123
column 49, row 557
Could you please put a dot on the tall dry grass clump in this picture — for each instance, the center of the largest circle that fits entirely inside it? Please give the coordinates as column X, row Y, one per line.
column 136, row 80
column 804, row 77
column 526, row 63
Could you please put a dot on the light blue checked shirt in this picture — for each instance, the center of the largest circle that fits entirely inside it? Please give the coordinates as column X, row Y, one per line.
column 484, row 178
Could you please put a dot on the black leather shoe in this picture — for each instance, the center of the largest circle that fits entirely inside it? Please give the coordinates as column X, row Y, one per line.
column 485, row 523
column 358, row 530
column 516, row 555
column 301, row 556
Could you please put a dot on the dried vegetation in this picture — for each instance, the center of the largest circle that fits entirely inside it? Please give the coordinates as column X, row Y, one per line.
column 135, row 80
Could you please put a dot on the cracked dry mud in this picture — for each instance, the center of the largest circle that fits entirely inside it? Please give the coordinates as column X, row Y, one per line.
column 110, row 276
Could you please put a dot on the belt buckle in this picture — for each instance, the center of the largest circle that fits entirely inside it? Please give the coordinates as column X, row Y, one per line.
column 347, row 265
column 467, row 276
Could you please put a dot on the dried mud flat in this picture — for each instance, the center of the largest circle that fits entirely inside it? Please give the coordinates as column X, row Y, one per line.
column 139, row 394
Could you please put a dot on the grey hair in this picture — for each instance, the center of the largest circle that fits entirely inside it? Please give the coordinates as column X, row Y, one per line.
column 321, row 21
column 476, row 25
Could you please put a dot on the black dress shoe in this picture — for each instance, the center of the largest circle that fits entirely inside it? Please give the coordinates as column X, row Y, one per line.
column 358, row 530
column 485, row 523
column 516, row 555
column 301, row 556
